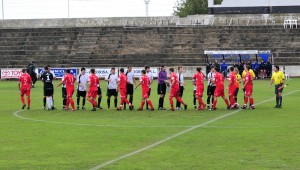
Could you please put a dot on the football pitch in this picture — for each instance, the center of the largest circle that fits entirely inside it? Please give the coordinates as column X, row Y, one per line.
column 264, row 138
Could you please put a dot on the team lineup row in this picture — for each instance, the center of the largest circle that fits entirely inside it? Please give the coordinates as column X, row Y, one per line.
column 88, row 87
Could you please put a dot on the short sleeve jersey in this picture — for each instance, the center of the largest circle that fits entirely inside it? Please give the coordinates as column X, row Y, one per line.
column 145, row 82
column 248, row 78
column 122, row 81
column 150, row 75
column 219, row 80
column 199, row 79
column 47, row 78
column 113, row 79
column 69, row 81
column 174, row 81
column 232, row 80
column 94, row 81
column 25, row 80
column 130, row 77
column 278, row 77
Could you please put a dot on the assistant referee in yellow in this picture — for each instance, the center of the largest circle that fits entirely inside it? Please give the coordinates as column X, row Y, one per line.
column 278, row 79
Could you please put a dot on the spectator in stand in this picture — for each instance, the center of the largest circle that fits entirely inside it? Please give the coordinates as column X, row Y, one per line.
column 255, row 67
column 236, row 65
column 208, row 67
column 224, row 68
column 269, row 68
column 241, row 67
column 262, row 71
column 216, row 64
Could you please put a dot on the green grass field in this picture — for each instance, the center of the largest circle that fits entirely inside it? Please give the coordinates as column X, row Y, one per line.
column 264, row 138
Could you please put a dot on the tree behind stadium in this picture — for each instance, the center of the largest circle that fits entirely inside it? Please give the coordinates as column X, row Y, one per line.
column 192, row 7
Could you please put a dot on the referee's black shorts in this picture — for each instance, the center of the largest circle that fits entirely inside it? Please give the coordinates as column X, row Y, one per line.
column 129, row 88
column 211, row 90
column 276, row 88
column 161, row 88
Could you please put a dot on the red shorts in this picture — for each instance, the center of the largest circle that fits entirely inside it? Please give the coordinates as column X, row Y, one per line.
column 145, row 93
column 123, row 93
column 25, row 91
column 199, row 91
column 248, row 90
column 219, row 92
column 174, row 92
column 92, row 93
column 231, row 91
column 70, row 93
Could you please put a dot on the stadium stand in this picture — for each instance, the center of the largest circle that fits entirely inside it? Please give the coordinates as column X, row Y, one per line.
column 138, row 46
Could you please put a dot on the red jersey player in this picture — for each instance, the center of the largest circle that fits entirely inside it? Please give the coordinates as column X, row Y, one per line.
column 174, row 89
column 122, row 86
column 24, row 87
column 219, row 92
column 69, row 81
column 232, row 87
column 199, row 81
column 93, row 82
column 145, row 82
column 248, row 88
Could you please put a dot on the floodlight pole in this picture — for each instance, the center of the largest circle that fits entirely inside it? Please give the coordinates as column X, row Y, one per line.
column 68, row 8
column 147, row 3
column 2, row 10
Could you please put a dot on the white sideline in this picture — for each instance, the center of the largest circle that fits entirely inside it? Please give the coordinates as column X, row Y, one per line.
column 174, row 136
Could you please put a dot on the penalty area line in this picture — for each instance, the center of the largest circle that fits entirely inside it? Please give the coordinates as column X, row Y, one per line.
column 175, row 135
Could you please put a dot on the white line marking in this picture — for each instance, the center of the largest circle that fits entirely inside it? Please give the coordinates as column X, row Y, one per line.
column 16, row 114
column 174, row 136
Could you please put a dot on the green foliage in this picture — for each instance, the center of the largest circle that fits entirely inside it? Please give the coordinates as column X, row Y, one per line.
column 192, row 7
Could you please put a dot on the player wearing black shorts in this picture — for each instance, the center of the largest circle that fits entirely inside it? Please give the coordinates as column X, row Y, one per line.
column 162, row 87
column 210, row 88
column 129, row 85
column 112, row 80
column 47, row 78
column 81, row 81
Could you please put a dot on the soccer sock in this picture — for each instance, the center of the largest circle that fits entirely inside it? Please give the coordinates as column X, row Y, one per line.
column 147, row 107
column 67, row 103
column 49, row 102
column 28, row 101
column 44, row 100
column 226, row 101
column 177, row 103
column 125, row 100
column 251, row 101
column 214, row 104
column 78, row 101
column 180, row 100
column 142, row 104
column 208, row 101
column 245, row 100
column 212, row 99
column 277, row 100
column 52, row 100
column 232, row 101
column 116, row 102
column 64, row 102
column 131, row 99
column 171, row 102
column 150, row 104
column 159, row 102
column 108, row 102
column 235, row 99
column 72, row 104
column 22, row 99
column 99, row 100
column 194, row 101
column 280, row 100
column 162, row 101
column 83, row 101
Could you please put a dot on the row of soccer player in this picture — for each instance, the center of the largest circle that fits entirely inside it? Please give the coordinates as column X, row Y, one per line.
column 123, row 83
